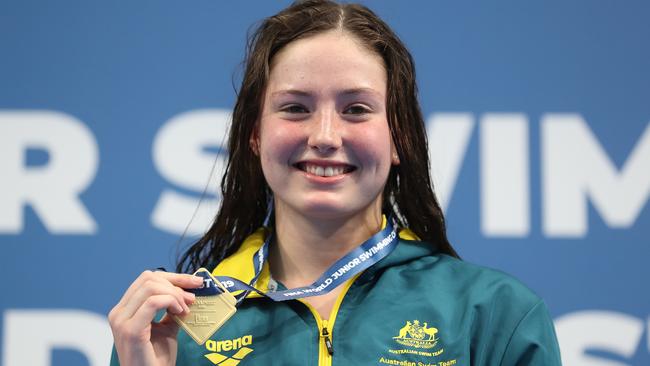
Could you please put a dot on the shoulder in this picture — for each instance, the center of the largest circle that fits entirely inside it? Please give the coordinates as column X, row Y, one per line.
column 460, row 275
column 482, row 301
column 484, row 283
column 454, row 276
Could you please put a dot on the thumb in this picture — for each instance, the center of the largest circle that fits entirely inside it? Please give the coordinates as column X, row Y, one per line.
column 168, row 326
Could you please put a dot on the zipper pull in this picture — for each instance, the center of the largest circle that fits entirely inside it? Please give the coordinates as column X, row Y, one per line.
column 328, row 341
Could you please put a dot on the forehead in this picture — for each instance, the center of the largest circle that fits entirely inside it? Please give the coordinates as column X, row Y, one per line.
column 327, row 61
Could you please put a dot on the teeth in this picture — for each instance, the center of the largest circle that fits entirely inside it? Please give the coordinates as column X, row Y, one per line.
column 329, row 171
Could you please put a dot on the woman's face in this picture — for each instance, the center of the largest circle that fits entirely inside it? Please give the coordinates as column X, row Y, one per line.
column 323, row 136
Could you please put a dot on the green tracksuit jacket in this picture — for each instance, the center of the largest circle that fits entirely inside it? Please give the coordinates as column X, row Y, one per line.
column 416, row 307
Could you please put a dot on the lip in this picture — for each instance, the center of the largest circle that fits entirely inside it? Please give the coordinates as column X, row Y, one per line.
column 347, row 169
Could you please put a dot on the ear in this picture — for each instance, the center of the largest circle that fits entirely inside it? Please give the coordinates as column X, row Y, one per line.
column 254, row 141
column 394, row 156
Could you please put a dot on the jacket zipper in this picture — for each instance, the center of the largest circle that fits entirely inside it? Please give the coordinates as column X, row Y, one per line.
column 325, row 327
column 326, row 338
column 325, row 348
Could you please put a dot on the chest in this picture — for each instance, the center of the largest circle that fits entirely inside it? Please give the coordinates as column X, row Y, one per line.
column 368, row 331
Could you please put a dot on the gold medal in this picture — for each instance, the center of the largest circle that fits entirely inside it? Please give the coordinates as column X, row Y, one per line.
column 213, row 306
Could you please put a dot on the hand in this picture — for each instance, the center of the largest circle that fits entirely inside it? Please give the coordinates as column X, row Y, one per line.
column 140, row 341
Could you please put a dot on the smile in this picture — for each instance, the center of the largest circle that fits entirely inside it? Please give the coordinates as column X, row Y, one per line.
column 325, row 170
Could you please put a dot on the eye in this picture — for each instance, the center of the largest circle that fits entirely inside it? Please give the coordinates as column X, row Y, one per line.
column 294, row 109
column 357, row 109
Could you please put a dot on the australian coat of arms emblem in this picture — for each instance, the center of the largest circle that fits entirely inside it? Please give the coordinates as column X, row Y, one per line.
column 417, row 335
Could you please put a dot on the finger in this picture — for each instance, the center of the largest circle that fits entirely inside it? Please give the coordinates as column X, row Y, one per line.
column 180, row 280
column 167, row 327
column 168, row 321
column 183, row 282
column 154, row 288
column 146, row 313
column 135, row 285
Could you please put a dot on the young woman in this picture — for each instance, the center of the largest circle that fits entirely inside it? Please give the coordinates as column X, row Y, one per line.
column 327, row 135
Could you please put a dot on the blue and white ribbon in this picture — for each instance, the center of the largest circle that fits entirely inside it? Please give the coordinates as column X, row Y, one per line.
column 359, row 259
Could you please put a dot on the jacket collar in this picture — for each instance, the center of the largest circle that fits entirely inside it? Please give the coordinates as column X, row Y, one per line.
column 239, row 265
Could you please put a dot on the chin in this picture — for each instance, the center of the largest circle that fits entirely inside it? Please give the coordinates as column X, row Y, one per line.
column 329, row 210
column 325, row 211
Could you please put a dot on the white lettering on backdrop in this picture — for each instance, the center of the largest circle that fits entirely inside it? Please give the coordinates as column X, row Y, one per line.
column 575, row 170
column 30, row 336
column 505, row 175
column 596, row 330
column 179, row 153
column 52, row 189
column 89, row 333
column 576, row 167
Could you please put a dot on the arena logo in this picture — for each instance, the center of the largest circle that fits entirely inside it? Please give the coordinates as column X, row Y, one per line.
column 582, row 335
column 575, row 171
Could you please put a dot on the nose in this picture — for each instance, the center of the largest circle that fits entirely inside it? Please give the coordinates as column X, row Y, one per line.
column 324, row 135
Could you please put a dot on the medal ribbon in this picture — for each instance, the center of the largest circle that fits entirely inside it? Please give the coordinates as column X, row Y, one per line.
column 360, row 258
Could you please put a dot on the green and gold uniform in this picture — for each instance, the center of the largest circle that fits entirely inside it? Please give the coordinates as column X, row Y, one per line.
column 416, row 307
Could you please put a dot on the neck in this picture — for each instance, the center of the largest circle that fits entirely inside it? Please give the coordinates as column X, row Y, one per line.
column 305, row 247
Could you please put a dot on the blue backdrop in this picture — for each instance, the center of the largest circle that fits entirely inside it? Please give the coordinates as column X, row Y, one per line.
column 112, row 114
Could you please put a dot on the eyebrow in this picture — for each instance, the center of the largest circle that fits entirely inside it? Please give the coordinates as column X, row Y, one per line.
column 296, row 92
column 302, row 93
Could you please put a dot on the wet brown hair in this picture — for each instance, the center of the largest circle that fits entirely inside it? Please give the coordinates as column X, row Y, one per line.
column 408, row 192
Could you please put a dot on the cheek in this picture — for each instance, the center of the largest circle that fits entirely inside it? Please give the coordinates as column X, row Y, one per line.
column 278, row 143
column 373, row 145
